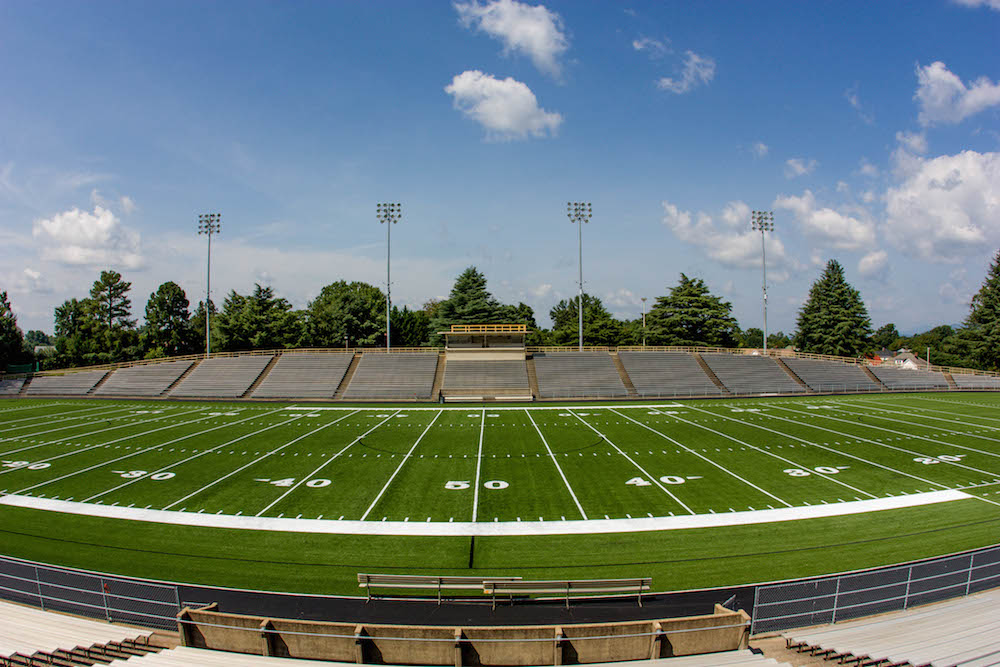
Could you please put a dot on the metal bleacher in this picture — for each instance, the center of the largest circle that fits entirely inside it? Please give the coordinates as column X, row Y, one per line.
column 221, row 377
column 747, row 374
column 70, row 384
column 970, row 381
column 577, row 374
column 146, row 380
column 506, row 375
column 905, row 378
column 667, row 374
column 305, row 376
column 831, row 375
column 11, row 386
column 388, row 376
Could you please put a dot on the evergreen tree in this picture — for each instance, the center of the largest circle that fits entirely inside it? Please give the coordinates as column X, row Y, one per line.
column 112, row 305
column 599, row 326
column 778, row 340
column 983, row 323
column 469, row 303
column 691, row 315
column 834, row 319
column 886, row 337
column 410, row 328
column 11, row 337
column 198, row 326
column 752, row 338
column 260, row 321
column 168, row 329
column 355, row 310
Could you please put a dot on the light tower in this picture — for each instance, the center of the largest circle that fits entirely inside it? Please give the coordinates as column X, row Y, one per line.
column 389, row 214
column 763, row 221
column 580, row 213
column 643, row 321
column 208, row 224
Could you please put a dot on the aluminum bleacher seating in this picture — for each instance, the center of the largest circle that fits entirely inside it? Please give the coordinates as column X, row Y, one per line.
column 831, row 375
column 382, row 375
column 963, row 380
column 963, row 632
column 11, row 386
column 751, row 374
column 222, row 377
column 577, row 374
column 906, row 378
column 667, row 374
column 464, row 374
column 70, row 384
column 304, row 376
column 145, row 380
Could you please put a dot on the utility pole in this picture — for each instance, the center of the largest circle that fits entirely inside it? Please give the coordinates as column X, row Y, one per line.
column 389, row 214
column 208, row 224
column 763, row 221
column 580, row 213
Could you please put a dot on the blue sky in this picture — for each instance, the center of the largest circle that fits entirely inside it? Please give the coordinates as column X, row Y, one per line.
column 872, row 130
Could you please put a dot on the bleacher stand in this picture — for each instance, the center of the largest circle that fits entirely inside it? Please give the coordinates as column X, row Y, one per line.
column 964, row 381
column 222, row 377
column 11, row 386
column 304, row 376
column 507, row 375
column 905, row 378
column 577, row 374
column 667, row 374
column 70, row 384
column 145, row 380
column 382, row 375
column 751, row 374
column 831, row 375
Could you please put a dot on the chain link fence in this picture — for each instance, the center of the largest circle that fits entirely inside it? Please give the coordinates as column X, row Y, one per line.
column 111, row 598
column 848, row 596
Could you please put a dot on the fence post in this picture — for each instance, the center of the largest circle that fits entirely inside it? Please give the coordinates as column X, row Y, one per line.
column 968, row 580
column 836, row 600
column 38, row 586
column 104, row 597
column 909, row 578
column 753, row 619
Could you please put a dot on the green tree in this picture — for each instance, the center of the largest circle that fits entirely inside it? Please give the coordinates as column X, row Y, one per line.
column 983, row 322
column 778, row 340
column 11, row 337
column 168, row 331
column 524, row 314
column 469, row 303
column 410, row 328
column 691, row 315
column 834, row 319
column 198, row 326
column 752, row 337
column 886, row 337
column 258, row 321
column 77, row 332
column 355, row 310
column 35, row 337
column 111, row 303
column 599, row 326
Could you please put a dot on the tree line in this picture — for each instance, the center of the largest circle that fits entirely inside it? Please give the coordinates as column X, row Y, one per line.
column 101, row 329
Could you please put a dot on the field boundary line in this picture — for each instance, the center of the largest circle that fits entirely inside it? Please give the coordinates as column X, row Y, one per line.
column 552, row 456
column 257, row 460
column 325, row 463
column 64, row 416
column 61, row 428
column 479, row 468
column 655, row 480
column 701, row 456
column 485, row 528
column 399, row 467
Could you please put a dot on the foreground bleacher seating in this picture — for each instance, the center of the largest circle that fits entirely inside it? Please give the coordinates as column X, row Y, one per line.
column 667, row 374
column 222, row 377
column 577, row 374
column 393, row 375
column 905, row 378
column 970, row 381
column 305, row 376
column 507, row 375
column 751, row 374
column 959, row 632
column 146, row 380
column 11, row 386
column 831, row 375
column 70, row 384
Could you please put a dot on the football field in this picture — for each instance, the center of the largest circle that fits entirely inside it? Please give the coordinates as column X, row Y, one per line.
column 531, row 470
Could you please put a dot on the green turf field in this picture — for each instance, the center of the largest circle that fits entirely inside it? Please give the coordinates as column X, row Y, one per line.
column 500, row 464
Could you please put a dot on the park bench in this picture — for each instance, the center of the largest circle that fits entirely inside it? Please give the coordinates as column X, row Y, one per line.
column 425, row 582
column 566, row 588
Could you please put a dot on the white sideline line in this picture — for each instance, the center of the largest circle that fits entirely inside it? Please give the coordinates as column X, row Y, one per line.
column 62, row 415
column 558, row 467
column 479, row 468
column 63, row 428
column 399, row 467
column 652, row 478
column 484, row 528
column 495, row 408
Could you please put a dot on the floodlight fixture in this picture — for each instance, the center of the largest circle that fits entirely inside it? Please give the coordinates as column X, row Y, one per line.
column 580, row 213
column 763, row 221
column 209, row 224
column 388, row 214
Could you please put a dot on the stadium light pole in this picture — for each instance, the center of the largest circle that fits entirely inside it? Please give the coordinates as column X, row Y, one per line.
column 580, row 213
column 643, row 320
column 763, row 221
column 388, row 214
column 208, row 224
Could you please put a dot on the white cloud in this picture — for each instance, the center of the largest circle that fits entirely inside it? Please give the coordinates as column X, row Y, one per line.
column 868, row 196
column 944, row 99
column 654, row 47
column 833, row 228
column 128, row 205
column 992, row 4
column 760, row 149
column 843, row 187
column 866, row 168
column 506, row 108
column 852, row 97
column 915, row 142
column 946, row 208
column 697, row 70
column 796, row 166
column 621, row 299
column 81, row 238
column 735, row 244
column 874, row 264
column 529, row 29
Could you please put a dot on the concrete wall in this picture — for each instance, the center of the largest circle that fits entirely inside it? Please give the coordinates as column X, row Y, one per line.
column 724, row 630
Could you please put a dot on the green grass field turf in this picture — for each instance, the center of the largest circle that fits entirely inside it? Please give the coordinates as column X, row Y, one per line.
column 586, row 461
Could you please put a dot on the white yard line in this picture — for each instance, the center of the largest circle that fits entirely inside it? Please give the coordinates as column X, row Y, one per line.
column 143, row 451
column 552, row 457
column 35, row 407
column 962, row 403
column 256, row 460
column 914, row 417
column 652, row 478
column 479, row 468
column 702, row 456
column 492, row 408
column 399, row 467
column 325, row 463
column 63, row 428
column 912, row 409
column 485, row 528
column 63, row 415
